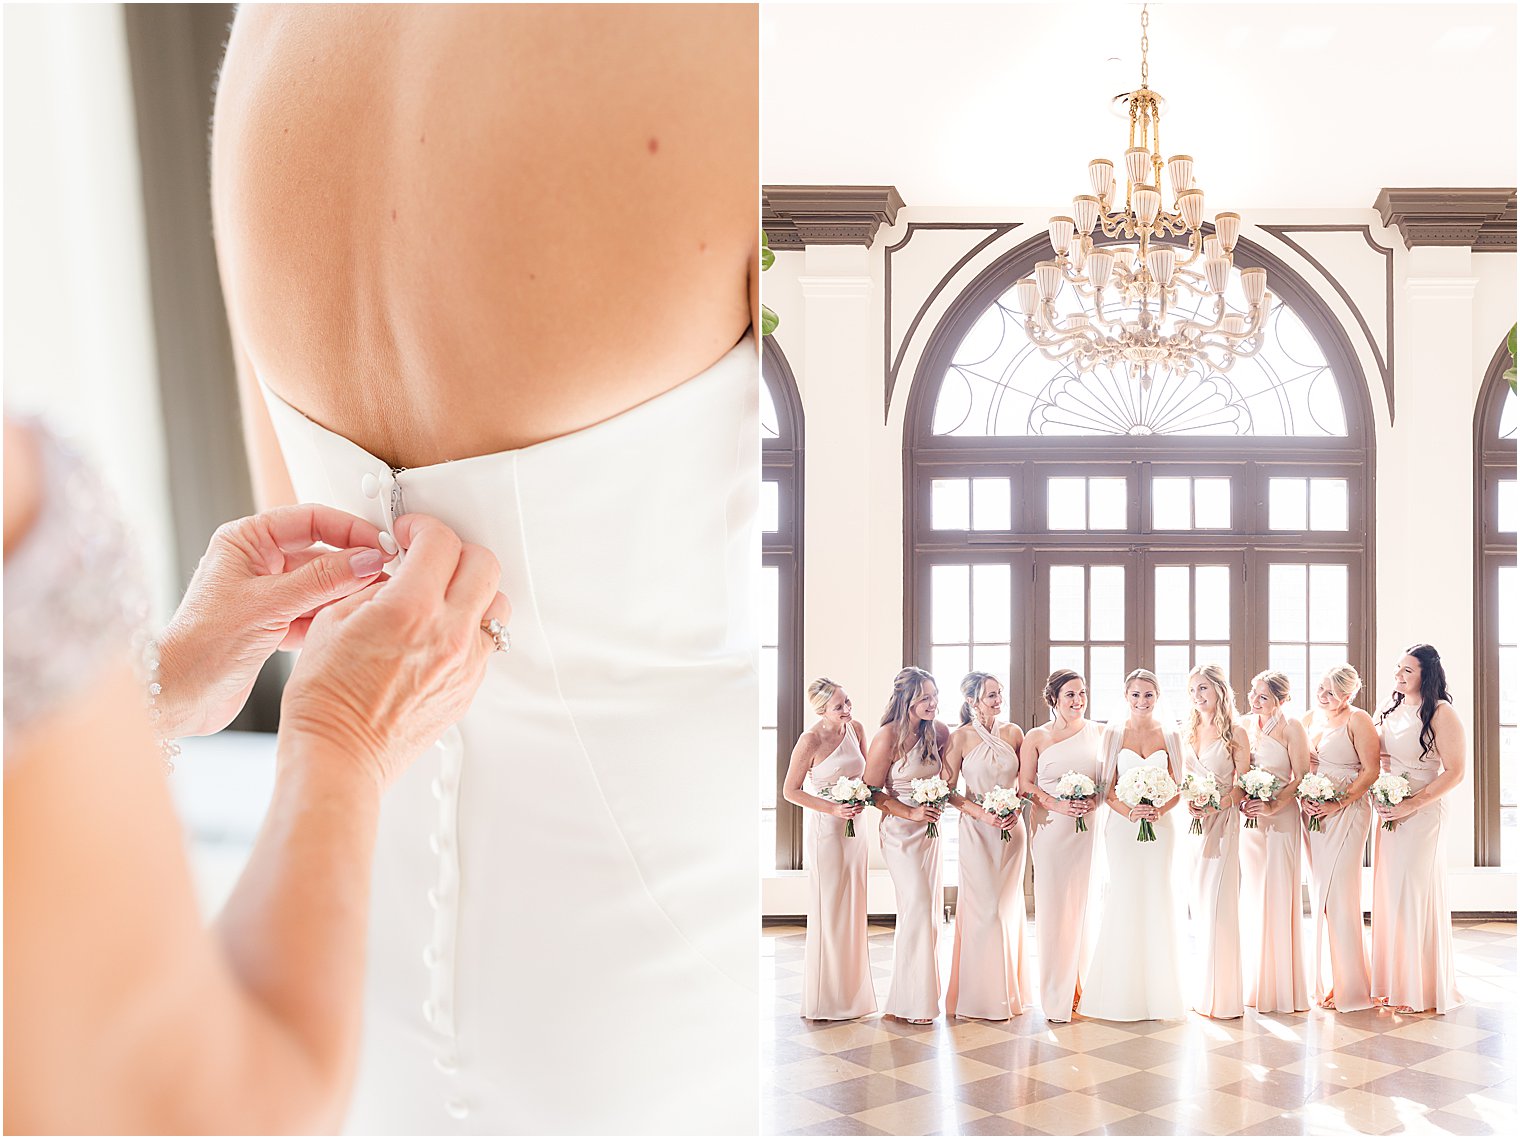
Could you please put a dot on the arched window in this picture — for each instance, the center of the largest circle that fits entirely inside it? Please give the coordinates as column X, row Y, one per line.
column 780, row 606
column 1496, row 740
column 1054, row 518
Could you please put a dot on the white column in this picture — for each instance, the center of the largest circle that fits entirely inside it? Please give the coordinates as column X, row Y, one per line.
column 1425, row 497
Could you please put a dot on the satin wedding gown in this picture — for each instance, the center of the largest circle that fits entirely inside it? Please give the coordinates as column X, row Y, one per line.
column 1136, row 969
column 563, row 913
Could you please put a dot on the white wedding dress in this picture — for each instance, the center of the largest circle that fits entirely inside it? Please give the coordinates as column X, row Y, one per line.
column 1136, row 970
column 563, row 927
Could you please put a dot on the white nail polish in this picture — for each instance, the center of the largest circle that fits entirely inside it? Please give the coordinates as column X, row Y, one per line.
column 387, row 543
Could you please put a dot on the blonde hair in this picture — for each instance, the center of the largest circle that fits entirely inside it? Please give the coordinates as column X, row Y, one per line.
column 1345, row 680
column 1146, row 675
column 1224, row 711
column 907, row 690
column 820, row 692
column 972, row 686
column 1276, row 682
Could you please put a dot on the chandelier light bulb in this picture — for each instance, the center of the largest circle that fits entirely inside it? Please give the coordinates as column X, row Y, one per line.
column 1061, row 230
column 1048, row 276
column 1216, row 273
column 1179, row 168
column 1254, row 282
column 1190, row 206
column 1084, row 209
column 1234, row 324
column 1227, row 226
column 1147, row 205
column 1026, row 296
column 1162, row 262
column 1100, row 173
column 1100, row 267
column 1137, row 164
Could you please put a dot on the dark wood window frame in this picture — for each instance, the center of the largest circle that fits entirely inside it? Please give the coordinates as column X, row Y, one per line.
column 781, row 462
column 1493, row 461
column 1028, row 461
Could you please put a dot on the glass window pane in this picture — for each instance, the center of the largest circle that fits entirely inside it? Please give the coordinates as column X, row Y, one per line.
column 948, row 663
column 1066, row 656
column 770, row 422
column 1290, row 660
column 1066, row 504
column 1106, row 622
column 1328, row 605
column 769, row 666
column 991, row 594
column 1509, row 702
column 1506, row 519
column 1509, row 584
column 991, row 504
column 1328, row 509
column 767, row 767
column 1220, row 655
column 1287, row 504
column 770, row 506
column 1172, row 664
column 1172, row 603
column 984, row 658
column 1287, row 602
column 1109, row 505
column 950, row 504
column 1068, row 604
column 1212, row 608
column 1105, row 683
column 1211, row 503
column 1169, row 504
column 768, row 605
column 949, row 604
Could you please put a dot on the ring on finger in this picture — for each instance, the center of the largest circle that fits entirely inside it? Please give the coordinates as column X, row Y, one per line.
column 501, row 640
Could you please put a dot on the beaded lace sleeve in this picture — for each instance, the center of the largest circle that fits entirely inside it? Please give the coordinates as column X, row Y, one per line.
column 74, row 591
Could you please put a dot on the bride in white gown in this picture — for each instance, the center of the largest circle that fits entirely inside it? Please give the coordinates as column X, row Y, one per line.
column 424, row 222
column 1136, row 971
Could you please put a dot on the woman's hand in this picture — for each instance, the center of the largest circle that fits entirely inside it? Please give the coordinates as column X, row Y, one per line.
column 1001, row 822
column 1392, row 814
column 388, row 669
column 1144, row 812
column 256, row 590
column 921, row 813
column 1312, row 809
column 1254, row 808
column 846, row 810
column 1076, row 808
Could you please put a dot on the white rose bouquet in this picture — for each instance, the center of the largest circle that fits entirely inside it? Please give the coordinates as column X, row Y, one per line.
column 1202, row 790
column 847, row 790
column 1147, row 784
column 1075, row 785
column 1390, row 790
column 1002, row 802
column 1258, row 784
column 931, row 792
column 1316, row 788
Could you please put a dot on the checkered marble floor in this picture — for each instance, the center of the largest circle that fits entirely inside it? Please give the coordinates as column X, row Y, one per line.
column 1314, row 1073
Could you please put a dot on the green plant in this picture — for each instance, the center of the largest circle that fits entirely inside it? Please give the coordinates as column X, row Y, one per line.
column 1509, row 373
column 769, row 320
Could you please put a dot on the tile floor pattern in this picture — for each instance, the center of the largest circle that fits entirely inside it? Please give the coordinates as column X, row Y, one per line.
column 1314, row 1073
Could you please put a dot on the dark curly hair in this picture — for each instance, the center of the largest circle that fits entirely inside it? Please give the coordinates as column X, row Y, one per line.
column 1432, row 691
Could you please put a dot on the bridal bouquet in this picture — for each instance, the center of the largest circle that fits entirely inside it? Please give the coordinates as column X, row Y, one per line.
column 1201, row 790
column 847, row 790
column 1002, row 802
column 1149, row 785
column 1390, row 790
column 931, row 792
column 1260, row 785
column 1075, row 785
column 1315, row 788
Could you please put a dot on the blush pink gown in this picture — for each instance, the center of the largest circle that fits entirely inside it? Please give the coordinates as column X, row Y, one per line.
column 1063, row 859
column 1271, row 905
column 1341, row 975
column 1412, row 964
column 988, row 975
column 836, row 965
column 912, row 859
column 1215, row 901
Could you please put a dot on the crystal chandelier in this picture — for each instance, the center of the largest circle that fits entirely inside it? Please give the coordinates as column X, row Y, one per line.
column 1147, row 304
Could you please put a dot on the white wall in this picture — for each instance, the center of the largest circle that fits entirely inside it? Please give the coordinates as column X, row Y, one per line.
column 79, row 344
column 1451, row 310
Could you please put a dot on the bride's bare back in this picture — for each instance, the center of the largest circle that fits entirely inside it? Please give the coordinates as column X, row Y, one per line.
column 448, row 231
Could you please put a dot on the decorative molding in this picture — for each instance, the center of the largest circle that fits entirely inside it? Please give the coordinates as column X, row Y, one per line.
column 1385, row 365
column 998, row 230
column 795, row 217
column 1482, row 220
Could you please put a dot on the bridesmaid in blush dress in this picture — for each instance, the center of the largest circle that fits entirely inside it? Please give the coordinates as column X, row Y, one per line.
column 988, row 975
column 1422, row 740
column 1271, row 857
column 1217, row 745
column 1345, row 744
column 836, row 973
column 1062, row 853
column 908, row 747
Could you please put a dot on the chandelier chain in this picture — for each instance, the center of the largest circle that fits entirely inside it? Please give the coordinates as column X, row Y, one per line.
column 1145, row 45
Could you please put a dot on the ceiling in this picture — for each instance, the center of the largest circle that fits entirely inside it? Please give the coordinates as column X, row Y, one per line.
column 1282, row 106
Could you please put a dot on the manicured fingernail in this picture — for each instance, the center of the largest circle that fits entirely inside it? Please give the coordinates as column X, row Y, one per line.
column 387, row 543
column 366, row 563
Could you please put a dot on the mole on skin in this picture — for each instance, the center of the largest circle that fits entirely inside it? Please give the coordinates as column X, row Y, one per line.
column 654, row 145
